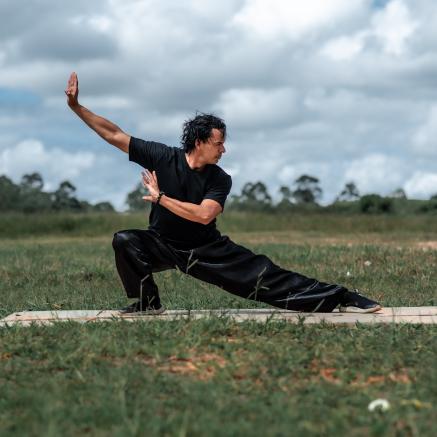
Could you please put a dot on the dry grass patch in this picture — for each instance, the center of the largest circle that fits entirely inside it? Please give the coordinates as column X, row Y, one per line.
column 427, row 245
column 200, row 365
column 332, row 375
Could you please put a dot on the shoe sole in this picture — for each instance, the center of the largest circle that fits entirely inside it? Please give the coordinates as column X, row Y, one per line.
column 359, row 310
column 144, row 313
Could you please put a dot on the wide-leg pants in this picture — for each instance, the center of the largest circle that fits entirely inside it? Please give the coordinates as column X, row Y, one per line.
column 234, row 268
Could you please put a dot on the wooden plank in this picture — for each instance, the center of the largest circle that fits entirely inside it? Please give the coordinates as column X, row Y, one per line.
column 417, row 315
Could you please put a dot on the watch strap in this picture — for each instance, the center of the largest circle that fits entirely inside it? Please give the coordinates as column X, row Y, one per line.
column 161, row 193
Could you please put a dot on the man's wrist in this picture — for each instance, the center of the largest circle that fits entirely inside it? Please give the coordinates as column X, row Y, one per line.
column 74, row 106
column 158, row 199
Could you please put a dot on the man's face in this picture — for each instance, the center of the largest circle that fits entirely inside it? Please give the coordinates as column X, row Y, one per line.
column 213, row 148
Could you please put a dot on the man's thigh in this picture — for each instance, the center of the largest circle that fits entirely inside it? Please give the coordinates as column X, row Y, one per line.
column 228, row 265
column 146, row 246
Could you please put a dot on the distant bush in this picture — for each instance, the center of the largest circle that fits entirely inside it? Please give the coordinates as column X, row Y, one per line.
column 429, row 206
column 344, row 207
column 375, row 204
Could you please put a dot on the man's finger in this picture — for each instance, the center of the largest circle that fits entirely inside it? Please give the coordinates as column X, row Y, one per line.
column 148, row 198
column 72, row 81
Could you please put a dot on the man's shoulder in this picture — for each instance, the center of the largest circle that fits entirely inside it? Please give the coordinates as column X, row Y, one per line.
column 219, row 172
column 219, row 176
column 139, row 148
column 148, row 143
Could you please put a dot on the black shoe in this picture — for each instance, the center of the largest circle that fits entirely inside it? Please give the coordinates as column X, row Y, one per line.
column 354, row 302
column 141, row 308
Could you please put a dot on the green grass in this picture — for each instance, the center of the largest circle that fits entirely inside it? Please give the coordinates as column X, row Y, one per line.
column 80, row 273
column 16, row 225
column 217, row 377
column 214, row 377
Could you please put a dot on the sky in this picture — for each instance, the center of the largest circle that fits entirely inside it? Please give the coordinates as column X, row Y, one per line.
column 343, row 90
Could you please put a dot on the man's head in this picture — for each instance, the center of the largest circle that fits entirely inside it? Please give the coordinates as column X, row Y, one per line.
column 205, row 131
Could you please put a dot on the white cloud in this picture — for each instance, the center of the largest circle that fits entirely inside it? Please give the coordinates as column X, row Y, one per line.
column 101, row 23
column 391, row 28
column 421, row 185
column 376, row 173
column 425, row 139
column 55, row 164
column 286, row 174
column 283, row 18
column 265, row 66
column 263, row 107
column 344, row 47
column 394, row 26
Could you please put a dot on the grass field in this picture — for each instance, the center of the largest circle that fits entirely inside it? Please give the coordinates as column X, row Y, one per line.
column 216, row 377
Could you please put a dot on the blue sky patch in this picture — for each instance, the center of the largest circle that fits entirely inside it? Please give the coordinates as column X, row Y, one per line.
column 379, row 4
column 18, row 97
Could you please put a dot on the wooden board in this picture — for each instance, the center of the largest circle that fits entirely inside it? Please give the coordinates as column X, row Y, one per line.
column 415, row 315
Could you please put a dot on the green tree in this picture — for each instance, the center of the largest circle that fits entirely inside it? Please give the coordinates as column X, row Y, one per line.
column 307, row 190
column 286, row 201
column 374, row 204
column 64, row 198
column 32, row 181
column 399, row 193
column 9, row 194
column 103, row 207
column 134, row 199
column 349, row 193
column 32, row 198
column 253, row 196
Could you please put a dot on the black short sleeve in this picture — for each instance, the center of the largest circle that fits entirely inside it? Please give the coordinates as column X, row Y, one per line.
column 220, row 189
column 146, row 153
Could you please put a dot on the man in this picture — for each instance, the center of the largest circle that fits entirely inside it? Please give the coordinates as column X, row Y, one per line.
column 187, row 191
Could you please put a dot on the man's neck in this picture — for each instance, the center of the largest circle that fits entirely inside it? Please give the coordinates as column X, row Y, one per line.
column 194, row 161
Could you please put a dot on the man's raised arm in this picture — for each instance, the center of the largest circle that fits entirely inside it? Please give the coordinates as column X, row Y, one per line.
column 109, row 131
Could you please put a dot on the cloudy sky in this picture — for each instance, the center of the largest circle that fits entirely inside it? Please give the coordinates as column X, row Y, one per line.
column 345, row 90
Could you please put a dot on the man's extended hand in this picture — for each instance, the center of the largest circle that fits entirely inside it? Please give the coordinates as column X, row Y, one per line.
column 72, row 90
column 150, row 181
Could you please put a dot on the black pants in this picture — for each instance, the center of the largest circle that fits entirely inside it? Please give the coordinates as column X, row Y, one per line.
column 139, row 253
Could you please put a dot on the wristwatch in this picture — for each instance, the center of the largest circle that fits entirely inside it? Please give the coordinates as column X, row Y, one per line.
column 161, row 193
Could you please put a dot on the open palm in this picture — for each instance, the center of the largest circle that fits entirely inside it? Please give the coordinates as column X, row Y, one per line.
column 72, row 90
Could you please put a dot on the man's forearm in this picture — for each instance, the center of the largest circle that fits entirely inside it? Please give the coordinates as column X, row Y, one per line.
column 103, row 127
column 186, row 210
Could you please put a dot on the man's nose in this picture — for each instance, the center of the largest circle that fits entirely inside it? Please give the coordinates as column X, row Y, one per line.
column 223, row 149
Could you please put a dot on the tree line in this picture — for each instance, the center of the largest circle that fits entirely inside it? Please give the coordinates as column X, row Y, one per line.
column 28, row 196
column 304, row 194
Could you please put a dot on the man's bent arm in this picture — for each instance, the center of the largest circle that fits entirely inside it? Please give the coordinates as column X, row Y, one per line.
column 109, row 131
column 204, row 213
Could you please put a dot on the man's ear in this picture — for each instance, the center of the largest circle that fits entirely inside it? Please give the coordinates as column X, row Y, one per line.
column 197, row 143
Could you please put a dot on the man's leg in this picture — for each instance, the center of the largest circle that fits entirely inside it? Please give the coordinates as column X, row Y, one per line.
column 139, row 253
column 239, row 271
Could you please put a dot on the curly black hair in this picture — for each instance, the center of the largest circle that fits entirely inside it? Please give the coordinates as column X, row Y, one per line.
column 199, row 128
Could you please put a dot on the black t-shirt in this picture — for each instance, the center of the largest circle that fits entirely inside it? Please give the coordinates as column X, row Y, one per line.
column 179, row 181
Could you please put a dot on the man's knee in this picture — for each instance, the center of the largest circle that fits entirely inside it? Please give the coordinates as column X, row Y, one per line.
column 121, row 240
